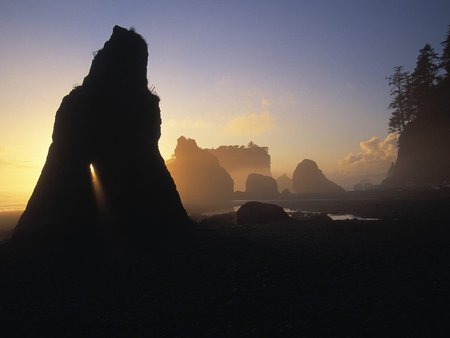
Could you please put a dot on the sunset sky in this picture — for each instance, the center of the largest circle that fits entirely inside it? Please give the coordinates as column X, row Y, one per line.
column 305, row 78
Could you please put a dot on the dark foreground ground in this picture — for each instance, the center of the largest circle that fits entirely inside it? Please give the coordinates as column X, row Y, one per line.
column 299, row 279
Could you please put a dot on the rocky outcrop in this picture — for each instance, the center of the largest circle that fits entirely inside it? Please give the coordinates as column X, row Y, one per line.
column 285, row 183
column 365, row 186
column 241, row 161
column 261, row 187
column 111, row 123
column 423, row 160
column 308, row 178
column 198, row 175
column 260, row 213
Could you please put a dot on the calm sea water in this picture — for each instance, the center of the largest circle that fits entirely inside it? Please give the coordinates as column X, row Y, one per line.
column 292, row 206
column 10, row 211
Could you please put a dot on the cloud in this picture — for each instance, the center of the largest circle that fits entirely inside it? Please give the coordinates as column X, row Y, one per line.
column 265, row 103
column 6, row 162
column 250, row 124
column 17, row 164
column 5, row 149
column 374, row 158
column 188, row 123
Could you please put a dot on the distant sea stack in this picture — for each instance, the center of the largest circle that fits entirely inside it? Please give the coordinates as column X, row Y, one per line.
column 241, row 161
column 261, row 187
column 308, row 178
column 199, row 177
column 110, row 125
column 285, row 183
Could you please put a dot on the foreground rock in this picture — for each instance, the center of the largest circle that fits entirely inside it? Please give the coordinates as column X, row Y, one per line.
column 112, row 122
column 308, row 178
column 257, row 212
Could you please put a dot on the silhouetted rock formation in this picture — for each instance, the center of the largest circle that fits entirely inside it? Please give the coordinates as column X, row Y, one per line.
column 261, row 187
column 308, row 178
column 391, row 170
column 423, row 157
column 257, row 212
column 286, row 194
column 285, row 183
column 198, row 175
column 365, row 186
column 420, row 114
column 111, row 121
column 240, row 161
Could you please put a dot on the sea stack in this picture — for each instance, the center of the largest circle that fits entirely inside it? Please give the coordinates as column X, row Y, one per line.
column 200, row 179
column 308, row 178
column 104, row 172
column 284, row 183
column 261, row 187
column 422, row 161
column 241, row 161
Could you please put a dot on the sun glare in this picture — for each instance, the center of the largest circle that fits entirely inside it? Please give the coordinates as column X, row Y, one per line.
column 98, row 190
column 93, row 175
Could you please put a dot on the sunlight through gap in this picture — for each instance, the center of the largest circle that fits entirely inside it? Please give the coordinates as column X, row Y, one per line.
column 98, row 190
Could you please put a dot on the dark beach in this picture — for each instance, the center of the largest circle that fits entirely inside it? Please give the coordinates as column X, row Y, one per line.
column 300, row 278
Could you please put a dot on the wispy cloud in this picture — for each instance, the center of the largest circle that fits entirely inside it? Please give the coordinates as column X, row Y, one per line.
column 17, row 164
column 5, row 161
column 188, row 123
column 250, row 124
column 5, row 149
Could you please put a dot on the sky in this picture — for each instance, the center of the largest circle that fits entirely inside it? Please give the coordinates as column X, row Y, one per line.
column 304, row 78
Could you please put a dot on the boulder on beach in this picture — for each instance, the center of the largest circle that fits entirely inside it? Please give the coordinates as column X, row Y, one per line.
column 104, row 172
column 308, row 178
column 258, row 212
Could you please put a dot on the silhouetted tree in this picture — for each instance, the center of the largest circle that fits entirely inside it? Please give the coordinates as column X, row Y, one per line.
column 443, row 91
column 444, row 63
column 420, row 112
column 423, row 81
column 402, row 112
